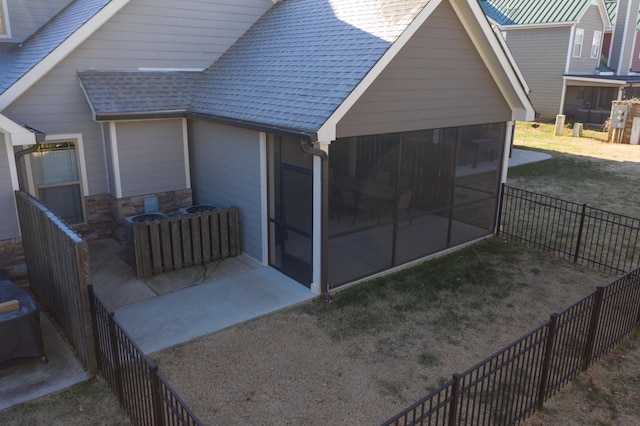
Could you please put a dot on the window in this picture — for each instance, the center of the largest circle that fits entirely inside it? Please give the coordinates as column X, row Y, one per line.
column 57, row 179
column 595, row 45
column 577, row 42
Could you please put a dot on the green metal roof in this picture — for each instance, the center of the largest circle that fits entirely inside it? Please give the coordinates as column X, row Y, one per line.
column 523, row 12
column 612, row 10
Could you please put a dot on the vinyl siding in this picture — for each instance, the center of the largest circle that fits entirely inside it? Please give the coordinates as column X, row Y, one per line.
column 225, row 171
column 170, row 34
column 27, row 16
column 437, row 80
column 541, row 55
column 618, row 30
column 145, row 33
column 590, row 22
column 151, row 156
column 9, row 227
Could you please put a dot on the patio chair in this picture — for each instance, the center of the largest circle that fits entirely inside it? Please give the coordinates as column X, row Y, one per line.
column 352, row 202
column 404, row 202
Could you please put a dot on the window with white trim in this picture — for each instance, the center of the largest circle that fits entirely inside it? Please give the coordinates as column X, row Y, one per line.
column 577, row 42
column 57, row 180
column 595, row 44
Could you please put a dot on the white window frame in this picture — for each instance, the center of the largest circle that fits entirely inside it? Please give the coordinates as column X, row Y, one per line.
column 578, row 41
column 595, row 44
column 4, row 20
column 82, row 169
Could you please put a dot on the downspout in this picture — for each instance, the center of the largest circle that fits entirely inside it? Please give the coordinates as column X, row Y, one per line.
column 40, row 137
column 324, row 218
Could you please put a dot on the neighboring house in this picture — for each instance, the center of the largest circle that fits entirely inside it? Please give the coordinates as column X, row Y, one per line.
column 354, row 136
column 573, row 57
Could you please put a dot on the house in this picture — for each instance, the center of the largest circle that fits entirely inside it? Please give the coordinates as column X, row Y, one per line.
column 354, row 137
column 576, row 55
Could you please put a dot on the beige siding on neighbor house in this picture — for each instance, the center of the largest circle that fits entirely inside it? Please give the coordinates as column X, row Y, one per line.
column 8, row 217
column 437, row 80
column 26, row 16
column 145, row 33
column 225, row 172
column 585, row 64
column 151, row 156
column 541, row 65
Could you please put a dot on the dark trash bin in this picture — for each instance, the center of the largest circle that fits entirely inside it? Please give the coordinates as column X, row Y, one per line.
column 20, row 335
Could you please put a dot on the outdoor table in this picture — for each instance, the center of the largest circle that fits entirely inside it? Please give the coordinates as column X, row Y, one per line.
column 20, row 335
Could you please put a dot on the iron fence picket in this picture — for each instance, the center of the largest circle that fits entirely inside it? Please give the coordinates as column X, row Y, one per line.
column 142, row 391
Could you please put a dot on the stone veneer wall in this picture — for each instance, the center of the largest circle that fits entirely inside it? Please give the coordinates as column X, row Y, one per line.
column 169, row 203
column 98, row 210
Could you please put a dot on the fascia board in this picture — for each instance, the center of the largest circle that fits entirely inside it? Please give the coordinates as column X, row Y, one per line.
column 488, row 46
column 608, row 81
column 327, row 131
column 16, row 133
column 59, row 53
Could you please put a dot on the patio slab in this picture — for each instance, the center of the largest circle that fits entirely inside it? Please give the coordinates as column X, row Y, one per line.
column 173, row 318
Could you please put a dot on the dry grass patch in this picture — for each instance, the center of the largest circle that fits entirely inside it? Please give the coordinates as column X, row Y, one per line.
column 380, row 346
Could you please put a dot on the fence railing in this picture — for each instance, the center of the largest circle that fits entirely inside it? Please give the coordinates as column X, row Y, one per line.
column 178, row 242
column 509, row 385
column 142, row 391
column 58, row 262
column 586, row 235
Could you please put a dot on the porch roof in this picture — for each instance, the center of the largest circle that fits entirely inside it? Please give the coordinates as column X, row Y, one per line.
column 125, row 93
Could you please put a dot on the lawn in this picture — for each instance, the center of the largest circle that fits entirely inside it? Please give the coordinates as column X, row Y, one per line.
column 384, row 343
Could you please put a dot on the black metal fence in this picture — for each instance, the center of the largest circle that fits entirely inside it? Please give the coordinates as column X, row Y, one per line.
column 142, row 391
column 586, row 235
column 509, row 385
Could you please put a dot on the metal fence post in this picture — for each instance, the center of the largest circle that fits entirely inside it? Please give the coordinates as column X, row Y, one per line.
column 546, row 363
column 580, row 230
column 156, row 397
column 94, row 321
column 453, row 405
column 500, row 209
column 593, row 328
column 115, row 354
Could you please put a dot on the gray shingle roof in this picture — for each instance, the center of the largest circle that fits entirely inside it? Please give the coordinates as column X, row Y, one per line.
column 17, row 60
column 123, row 92
column 300, row 61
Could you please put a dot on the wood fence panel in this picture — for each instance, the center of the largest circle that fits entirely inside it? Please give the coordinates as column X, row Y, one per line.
column 59, row 273
column 206, row 237
column 156, row 254
column 176, row 242
column 196, row 240
column 234, row 232
column 166, row 248
column 224, row 234
column 215, row 237
column 186, row 242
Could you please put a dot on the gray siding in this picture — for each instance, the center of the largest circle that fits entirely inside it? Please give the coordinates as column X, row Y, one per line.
column 225, row 171
column 9, row 227
column 590, row 22
column 541, row 55
column 619, row 34
column 27, row 16
column 151, row 156
column 146, row 33
column 437, row 80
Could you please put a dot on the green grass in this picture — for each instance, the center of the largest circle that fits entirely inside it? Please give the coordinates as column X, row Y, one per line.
column 466, row 276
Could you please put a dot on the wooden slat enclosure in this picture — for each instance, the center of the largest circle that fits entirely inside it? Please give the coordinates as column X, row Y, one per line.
column 178, row 242
column 59, row 273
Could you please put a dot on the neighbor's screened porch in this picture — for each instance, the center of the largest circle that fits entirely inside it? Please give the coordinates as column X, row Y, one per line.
column 394, row 198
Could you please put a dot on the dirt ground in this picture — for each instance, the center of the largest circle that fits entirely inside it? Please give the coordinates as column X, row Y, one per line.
column 319, row 365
